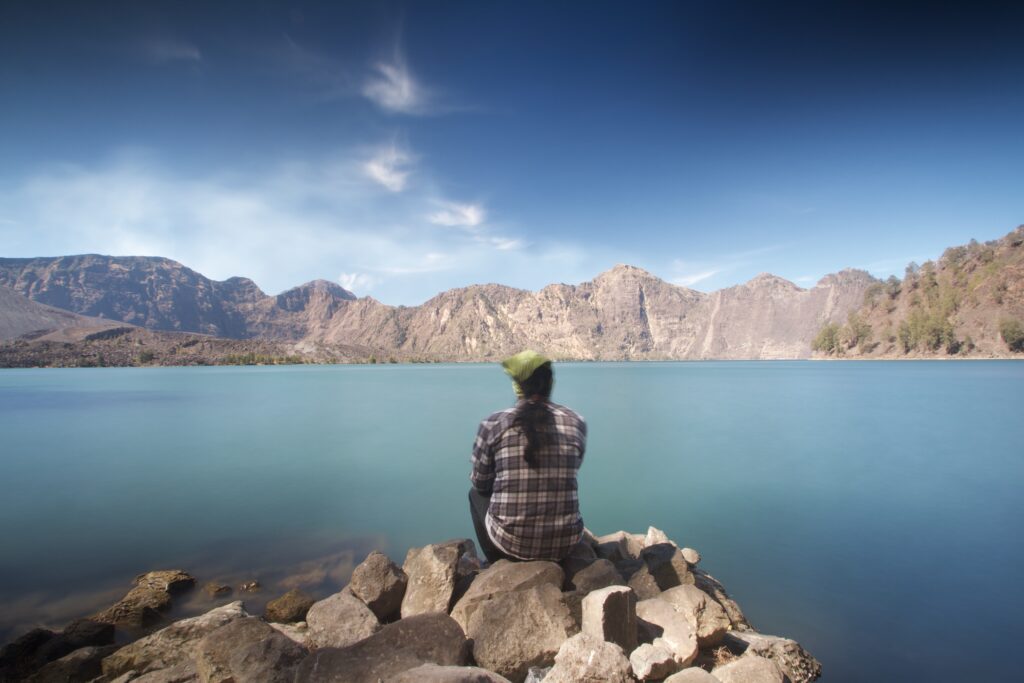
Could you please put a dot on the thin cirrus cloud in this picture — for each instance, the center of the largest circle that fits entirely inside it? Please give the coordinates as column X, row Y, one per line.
column 458, row 215
column 393, row 88
column 164, row 51
column 390, row 167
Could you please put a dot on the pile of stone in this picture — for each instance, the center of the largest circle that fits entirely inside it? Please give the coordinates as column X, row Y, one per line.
column 622, row 608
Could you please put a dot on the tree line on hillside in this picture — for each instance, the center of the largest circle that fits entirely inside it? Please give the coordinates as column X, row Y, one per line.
column 931, row 295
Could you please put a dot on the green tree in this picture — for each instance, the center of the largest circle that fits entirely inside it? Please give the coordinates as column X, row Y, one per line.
column 1012, row 332
column 828, row 339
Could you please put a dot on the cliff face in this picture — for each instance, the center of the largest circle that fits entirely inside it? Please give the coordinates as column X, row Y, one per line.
column 623, row 313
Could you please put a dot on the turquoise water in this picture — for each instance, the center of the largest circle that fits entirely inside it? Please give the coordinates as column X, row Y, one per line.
column 872, row 511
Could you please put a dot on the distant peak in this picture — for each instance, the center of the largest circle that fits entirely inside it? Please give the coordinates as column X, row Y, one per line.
column 625, row 269
column 325, row 286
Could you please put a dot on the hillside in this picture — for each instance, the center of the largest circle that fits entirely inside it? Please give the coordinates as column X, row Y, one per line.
column 968, row 303
column 21, row 317
column 623, row 313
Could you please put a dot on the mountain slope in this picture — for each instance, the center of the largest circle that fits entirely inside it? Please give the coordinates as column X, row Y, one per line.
column 22, row 317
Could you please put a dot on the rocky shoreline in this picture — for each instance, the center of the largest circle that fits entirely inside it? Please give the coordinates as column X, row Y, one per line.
column 623, row 607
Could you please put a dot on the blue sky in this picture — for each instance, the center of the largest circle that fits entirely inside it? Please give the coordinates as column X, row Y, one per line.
column 405, row 148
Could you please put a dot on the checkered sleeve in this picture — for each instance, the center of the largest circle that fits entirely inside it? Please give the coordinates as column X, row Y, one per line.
column 482, row 475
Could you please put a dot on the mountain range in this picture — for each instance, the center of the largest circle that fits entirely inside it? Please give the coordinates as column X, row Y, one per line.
column 623, row 313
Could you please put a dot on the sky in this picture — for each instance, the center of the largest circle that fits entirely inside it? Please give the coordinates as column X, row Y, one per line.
column 401, row 149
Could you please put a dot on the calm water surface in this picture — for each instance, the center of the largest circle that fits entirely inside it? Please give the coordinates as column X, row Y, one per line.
column 872, row 511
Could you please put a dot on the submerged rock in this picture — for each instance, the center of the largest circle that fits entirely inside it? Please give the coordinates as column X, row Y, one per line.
column 146, row 602
column 40, row 646
column 290, row 607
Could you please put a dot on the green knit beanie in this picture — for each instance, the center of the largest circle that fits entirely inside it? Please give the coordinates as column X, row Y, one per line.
column 520, row 366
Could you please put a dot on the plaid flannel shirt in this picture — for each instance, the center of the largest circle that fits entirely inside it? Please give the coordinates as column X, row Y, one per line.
column 534, row 514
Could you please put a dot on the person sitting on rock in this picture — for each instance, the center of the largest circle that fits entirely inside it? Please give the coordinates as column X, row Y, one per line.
column 524, row 501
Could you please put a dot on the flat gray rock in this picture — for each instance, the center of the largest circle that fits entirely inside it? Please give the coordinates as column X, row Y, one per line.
column 396, row 648
column 512, row 632
column 340, row 620
column 587, row 659
column 505, row 577
column 247, row 649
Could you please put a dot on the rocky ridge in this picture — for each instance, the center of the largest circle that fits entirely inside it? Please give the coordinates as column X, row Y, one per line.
column 624, row 313
column 621, row 608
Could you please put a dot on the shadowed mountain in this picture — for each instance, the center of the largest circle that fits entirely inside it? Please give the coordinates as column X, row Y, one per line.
column 23, row 318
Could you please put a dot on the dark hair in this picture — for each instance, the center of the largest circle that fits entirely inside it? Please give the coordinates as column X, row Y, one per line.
column 533, row 416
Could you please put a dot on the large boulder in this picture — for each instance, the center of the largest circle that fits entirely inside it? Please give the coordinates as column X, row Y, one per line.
column 380, row 584
column 715, row 589
column 652, row 662
column 598, row 574
column 172, row 645
column 587, row 659
column 148, row 599
column 432, row 673
column 661, row 624
column 692, row 675
column 505, row 577
column 749, row 669
column 663, row 567
column 290, row 607
column 512, row 632
column 298, row 632
column 707, row 617
column 179, row 673
column 619, row 546
column 610, row 614
column 41, row 646
column 340, row 620
column 432, row 573
column 398, row 647
column 79, row 666
column 798, row 664
column 247, row 649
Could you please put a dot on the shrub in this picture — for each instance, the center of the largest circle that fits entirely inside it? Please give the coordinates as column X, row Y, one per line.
column 1012, row 332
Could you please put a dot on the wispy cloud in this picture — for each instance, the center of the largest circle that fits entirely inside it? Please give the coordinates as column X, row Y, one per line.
column 390, row 167
column 691, row 278
column 356, row 282
column 393, row 88
column 690, row 273
column 163, row 51
column 457, row 215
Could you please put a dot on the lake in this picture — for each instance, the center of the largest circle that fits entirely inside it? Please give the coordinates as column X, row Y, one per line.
column 870, row 510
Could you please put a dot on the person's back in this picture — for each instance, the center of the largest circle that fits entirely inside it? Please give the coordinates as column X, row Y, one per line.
column 525, row 500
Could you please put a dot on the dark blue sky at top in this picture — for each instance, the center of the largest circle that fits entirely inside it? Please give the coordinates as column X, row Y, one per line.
column 704, row 141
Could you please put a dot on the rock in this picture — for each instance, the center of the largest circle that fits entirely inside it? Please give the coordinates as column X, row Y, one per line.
column 340, row 620
column 513, row 631
column 655, row 536
column 573, row 601
column 600, row 573
column 216, row 590
column 712, row 587
column 660, row 623
column 79, row 666
column 298, row 632
column 250, row 587
column 652, row 662
column 610, row 614
column 663, row 568
column 505, row 577
column 707, row 617
column 398, row 647
column 536, row 674
column 170, row 646
column 289, row 608
column 691, row 556
column 798, row 664
column 619, row 546
column 580, row 556
column 180, row 673
column 587, row 659
column 692, row 675
column 247, row 649
column 145, row 603
column 627, row 568
column 432, row 673
column 41, row 646
column 380, row 584
column 749, row 669
column 432, row 573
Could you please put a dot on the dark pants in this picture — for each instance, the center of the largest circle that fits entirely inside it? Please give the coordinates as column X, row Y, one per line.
column 478, row 504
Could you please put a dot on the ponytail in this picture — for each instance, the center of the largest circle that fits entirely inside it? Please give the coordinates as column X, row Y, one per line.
column 533, row 415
